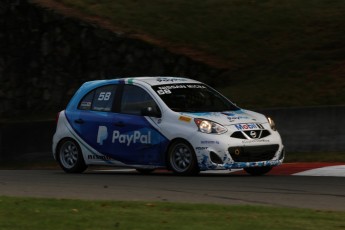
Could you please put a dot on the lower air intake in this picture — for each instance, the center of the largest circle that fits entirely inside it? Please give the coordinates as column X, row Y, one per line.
column 215, row 158
column 253, row 153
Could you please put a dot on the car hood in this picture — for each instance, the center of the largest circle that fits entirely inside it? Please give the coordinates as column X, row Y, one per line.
column 230, row 117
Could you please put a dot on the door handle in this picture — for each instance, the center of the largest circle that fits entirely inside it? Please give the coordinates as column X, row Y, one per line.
column 119, row 124
column 79, row 121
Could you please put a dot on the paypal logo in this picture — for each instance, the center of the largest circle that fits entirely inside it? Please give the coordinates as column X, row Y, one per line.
column 128, row 139
column 102, row 134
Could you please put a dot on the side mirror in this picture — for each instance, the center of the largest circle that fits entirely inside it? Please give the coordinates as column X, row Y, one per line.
column 151, row 112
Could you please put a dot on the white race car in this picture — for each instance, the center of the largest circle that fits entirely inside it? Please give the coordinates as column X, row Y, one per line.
column 162, row 122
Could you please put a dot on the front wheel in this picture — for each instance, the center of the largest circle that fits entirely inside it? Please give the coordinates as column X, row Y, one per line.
column 70, row 157
column 182, row 159
column 258, row 171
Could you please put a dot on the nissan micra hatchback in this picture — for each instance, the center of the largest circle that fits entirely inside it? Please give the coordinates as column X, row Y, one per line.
column 162, row 122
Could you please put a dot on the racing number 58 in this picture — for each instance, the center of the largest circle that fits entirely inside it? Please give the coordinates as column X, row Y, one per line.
column 104, row 96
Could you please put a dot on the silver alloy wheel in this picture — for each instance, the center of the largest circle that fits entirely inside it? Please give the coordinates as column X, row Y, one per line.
column 181, row 157
column 69, row 154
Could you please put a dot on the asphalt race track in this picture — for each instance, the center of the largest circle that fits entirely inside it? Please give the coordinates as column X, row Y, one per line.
column 316, row 192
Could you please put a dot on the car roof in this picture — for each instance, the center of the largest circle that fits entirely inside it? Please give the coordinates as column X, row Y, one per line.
column 148, row 80
column 152, row 81
column 164, row 80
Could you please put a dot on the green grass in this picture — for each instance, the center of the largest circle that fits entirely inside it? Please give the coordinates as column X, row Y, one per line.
column 279, row 52
column 31, row 213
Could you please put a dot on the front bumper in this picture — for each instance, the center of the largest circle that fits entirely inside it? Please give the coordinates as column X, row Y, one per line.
column 225, row 152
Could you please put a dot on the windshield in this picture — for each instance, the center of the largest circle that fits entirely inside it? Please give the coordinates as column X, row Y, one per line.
column 193, row 98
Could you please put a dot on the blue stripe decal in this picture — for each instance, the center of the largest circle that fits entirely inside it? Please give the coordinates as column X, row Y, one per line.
column 85, row 146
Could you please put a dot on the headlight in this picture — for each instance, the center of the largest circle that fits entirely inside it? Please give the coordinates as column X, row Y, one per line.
column 206, row 126
column 272, row 124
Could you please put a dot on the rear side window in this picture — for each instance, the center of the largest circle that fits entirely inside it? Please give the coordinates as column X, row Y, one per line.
column 100, row 99
column 86, row 102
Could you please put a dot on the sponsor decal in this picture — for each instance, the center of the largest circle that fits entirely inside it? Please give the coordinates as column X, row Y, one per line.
column 233, row 113
column 229, row 114
column 169, row 87
column 255, row 141
column 196, row 86
column 232, row 119
column 161, row 90
column 102, row 134
column 185, row 119
column 201, row 148
column 210, row 142
column 169, row 79
column 128, row 139
column 203, row 114
column 234, row 116
column 86, row 104
column 98, row 157
column 248, row 126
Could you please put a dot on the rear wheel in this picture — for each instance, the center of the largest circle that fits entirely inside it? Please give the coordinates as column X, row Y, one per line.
column 182, row 159
column 70, row 157
column 258, row 171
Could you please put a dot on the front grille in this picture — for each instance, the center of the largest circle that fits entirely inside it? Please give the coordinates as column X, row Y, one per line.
column 253, row 153
column 252, row 134
column 238, row 135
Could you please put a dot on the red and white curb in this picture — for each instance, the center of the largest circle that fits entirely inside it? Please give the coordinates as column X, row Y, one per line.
column 308, row 169
column 294, row 169
column 336, row 171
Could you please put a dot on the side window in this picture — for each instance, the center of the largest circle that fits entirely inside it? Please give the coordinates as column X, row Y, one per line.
column 135, row 99
column 103, row 98
column 85, row 103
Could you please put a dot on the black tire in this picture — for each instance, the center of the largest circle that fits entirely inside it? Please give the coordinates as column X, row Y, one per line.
column 145, row 171
column 258, row 171
column 70, row 157
column 182, row 159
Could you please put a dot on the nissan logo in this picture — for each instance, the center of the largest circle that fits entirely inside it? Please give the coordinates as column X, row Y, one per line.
column 253, row 134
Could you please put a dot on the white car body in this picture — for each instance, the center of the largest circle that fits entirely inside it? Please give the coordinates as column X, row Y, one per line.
column 237, row 138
